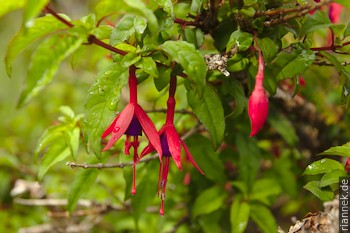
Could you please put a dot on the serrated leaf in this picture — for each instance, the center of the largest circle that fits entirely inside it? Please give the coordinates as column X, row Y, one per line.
column 206, row 158
column 39, row 28
column 288, row 64
column 45, row 62
column 239, row 215
column 141, row 9
column 332, row 177
column 57, row 152
column 239, row 39
column 190, row 59
column 324, row 195
column 208, row 108
column 8, row 6
column 32, row 9
column 208, row 201
column 82, row 181
column 263, row 217
column 343, row 150
column 323, row 166
column 102, row 101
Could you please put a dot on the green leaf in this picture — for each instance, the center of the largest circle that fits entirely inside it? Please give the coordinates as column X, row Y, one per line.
column 163, row 78
column 333, row 60
column 167, row 6
column 39, row 28
column 123, row 30
column 249, row 159
column 32, row 9
column 284, row 127
column 332, row 177
column 206, row 158
column 83, row 180
column 250, row 2
column 140, row 8
column 103, row 99
column 57, row 152
column 269, row 48
column 288, row 64
column 239, row 215
column 241, row 40
column 147, row 192
column 208, row 201
column 45, row 62
column 314, row 22
column 323, row 166
column 263, row 194
column 314, row 187
column 263, row 218
column 73, row 141
column 190, row 59
column 235, row 88
column 347, row 30
column 8, row 6
column 343, row 150
column 209, row 110
column 344, row 3
column 149, row 66
column 102, row 32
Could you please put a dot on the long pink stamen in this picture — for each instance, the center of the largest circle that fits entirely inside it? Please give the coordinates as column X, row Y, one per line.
column 163, row 184
column 135, row 145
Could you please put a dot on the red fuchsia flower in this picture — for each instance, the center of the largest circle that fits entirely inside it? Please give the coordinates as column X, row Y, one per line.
column 171, row 146
column 131, row 122
column 347, row 165
column 258, row 104
column 334, row 12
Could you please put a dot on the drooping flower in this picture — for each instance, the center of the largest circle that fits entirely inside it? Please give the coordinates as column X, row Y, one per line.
column 171, row 146
column 131, row 122
column 258, row 103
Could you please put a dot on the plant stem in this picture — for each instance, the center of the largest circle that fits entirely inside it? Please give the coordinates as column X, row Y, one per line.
column 133, row 84
column 171, row 100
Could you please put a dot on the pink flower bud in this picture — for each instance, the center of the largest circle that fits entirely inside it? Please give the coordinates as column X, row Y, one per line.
column 334, row 12
column 258, row 106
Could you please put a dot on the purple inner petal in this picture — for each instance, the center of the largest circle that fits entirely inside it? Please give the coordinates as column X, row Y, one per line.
column 165, row 146
column 134, row 128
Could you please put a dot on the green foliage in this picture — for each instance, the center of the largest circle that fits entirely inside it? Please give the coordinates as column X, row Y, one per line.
column 305, row 75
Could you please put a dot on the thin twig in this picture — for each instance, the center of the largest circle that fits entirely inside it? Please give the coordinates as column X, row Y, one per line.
column 127, row 164
column 324, row 63
column 301, row 13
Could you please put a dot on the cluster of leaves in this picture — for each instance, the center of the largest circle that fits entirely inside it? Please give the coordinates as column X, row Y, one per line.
column 152, row 37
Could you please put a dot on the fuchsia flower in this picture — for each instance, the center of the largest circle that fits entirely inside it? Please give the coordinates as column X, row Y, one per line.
column 132, row 121
column 334, row 12
column 347, row 165
column 171, row 146
column 258, row 104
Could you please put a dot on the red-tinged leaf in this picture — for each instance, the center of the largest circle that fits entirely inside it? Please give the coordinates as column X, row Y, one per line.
column 121, row 125
column 149, row 129
column 190, row 158
column 110, row 128
column 174, row 145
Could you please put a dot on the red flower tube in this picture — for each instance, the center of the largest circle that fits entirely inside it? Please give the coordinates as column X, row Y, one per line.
column 131, row 122
column 171, row 146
